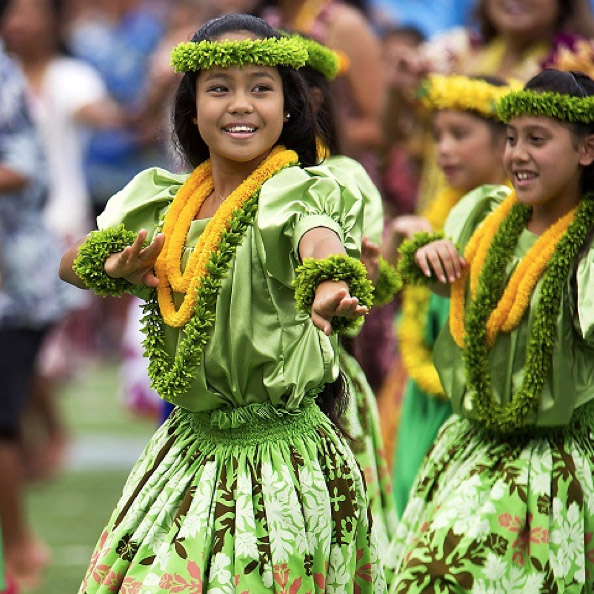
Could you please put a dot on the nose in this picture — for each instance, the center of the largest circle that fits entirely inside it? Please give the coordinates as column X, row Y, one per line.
column 518, row 153
column 240, row 102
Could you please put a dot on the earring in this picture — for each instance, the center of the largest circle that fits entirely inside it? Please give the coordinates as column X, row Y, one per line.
column 287, row 116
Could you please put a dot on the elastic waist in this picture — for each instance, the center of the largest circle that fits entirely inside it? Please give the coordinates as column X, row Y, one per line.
column 255, row 424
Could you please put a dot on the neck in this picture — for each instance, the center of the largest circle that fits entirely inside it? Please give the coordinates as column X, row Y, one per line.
column 228, row 175
column 545, row 215
column 517, row 46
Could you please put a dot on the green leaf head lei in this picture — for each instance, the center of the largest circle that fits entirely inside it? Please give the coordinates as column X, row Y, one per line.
column 548, row 104
column 191, row 56
column 320, row 57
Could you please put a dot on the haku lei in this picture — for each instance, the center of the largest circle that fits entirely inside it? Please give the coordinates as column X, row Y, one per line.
column 174, row 376
column 417, row 357
column 562, row 244
column 182, row 211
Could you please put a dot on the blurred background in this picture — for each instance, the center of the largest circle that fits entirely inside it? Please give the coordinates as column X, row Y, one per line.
column 85, row 88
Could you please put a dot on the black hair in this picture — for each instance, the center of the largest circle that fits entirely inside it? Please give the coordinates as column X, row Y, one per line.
column 574, row 84
column 299, row 132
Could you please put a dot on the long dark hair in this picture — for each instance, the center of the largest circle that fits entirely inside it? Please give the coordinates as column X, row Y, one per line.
column 299, row 132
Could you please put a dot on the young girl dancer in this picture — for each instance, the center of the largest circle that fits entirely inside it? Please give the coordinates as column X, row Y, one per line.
column 505, row 500
column 469, row 142
column 247, row 487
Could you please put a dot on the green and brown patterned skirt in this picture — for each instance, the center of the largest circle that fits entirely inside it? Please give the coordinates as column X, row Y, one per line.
column 495, row 515
column 252, row 501
column 361, row 421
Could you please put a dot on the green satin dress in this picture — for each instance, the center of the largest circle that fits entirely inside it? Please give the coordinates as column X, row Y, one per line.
column 514, row 513
column 246, row 487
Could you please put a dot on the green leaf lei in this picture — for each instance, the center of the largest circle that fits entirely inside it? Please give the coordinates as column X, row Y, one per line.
column 272, row 51
column 171, row 377
column 320, row 58
column 90, row 261
column 548, row 104
column 511, row 417
column 339, row 267
column 407, row 266
column 388, row 283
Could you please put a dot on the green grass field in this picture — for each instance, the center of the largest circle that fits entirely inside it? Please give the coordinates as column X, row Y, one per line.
column 69, row 512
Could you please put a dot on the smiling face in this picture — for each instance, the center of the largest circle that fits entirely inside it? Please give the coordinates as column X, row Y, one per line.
column 240, row 110
column 544, row 162
column 467, row 152
column 534, row 19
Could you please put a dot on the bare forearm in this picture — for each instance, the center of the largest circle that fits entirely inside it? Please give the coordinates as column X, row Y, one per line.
column 67, row 273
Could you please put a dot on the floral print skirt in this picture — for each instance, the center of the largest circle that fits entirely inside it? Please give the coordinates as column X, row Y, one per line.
column 251, row 501
column 361, row 421
column 500, row 515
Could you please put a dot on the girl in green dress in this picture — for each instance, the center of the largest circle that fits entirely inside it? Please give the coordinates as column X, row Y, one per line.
column 469, row 144
column 505, row 500
column 248, row 486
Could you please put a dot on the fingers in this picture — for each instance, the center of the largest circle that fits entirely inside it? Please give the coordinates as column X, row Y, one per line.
column 369, row 248
column 321, row 322
column 442, row 258
column 151, row 252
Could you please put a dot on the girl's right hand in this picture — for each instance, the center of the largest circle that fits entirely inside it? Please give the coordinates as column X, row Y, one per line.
column 442, row 258
column 135, row 263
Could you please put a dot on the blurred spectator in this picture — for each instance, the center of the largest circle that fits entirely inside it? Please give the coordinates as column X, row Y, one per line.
column 118, row 38
column 29, row 304
column 405, row 124
column 60, row 109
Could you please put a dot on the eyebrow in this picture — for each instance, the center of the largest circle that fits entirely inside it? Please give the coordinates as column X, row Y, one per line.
column 531, row 128
column 258, row 74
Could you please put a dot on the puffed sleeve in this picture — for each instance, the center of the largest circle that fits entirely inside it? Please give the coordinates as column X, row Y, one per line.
column 585, row 296
column 140, row 204
column 351, row 173
column 296, row 201
column 471, row 210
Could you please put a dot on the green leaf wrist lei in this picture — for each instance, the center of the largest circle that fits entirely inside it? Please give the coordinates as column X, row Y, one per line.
column 339, row 267
column 191, row 56
column 90, row 261
column 388, row 284
column 407, row 266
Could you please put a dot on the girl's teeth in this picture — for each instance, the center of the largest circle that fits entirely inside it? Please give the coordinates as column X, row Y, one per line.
column 240, row 129
column 524, row 176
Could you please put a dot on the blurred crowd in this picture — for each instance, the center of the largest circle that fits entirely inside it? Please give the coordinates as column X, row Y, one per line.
column 88, row 107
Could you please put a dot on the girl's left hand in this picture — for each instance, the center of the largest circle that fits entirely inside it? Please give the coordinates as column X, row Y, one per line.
column 333, row 299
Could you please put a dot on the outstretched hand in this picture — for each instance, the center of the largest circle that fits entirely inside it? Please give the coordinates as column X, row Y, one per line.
column 333, row 299
column 442, row 258
column 135, row 263
column 369, row 256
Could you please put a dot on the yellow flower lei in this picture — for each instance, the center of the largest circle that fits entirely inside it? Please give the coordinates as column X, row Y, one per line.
column 516, row 297
column 416, row 356
column 180, row 215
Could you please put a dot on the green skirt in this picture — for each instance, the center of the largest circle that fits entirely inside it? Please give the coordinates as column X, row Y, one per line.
column 491, row 514
column 255, row 500
column 361, row 421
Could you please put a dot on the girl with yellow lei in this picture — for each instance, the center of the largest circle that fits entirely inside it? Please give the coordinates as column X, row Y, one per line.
column 249, row 269
column 504, row 501
column 469, row 142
